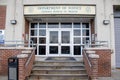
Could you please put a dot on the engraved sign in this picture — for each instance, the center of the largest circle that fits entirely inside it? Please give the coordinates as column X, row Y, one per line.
column 36, row 10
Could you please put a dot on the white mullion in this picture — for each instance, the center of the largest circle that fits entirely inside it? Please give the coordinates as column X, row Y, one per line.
column 59, row 39
column 81, row 33
column 81, row 36
column 90, row 33
column 72, row 38
column 47, row 39
column 29, row 32
column 37, row 38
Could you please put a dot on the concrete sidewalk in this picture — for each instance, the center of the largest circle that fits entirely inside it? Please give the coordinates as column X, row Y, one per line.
column 3, row 77
column 115, row 76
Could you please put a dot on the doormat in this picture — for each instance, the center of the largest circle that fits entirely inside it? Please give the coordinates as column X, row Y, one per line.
column 61, row 58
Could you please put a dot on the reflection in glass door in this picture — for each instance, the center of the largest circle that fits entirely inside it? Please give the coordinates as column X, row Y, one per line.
column 65, row 42
column 53, row 42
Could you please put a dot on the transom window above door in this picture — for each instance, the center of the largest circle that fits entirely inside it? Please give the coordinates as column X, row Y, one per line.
column 53, row 25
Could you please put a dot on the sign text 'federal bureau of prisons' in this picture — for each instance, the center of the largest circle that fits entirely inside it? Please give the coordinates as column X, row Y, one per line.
column 32, row 10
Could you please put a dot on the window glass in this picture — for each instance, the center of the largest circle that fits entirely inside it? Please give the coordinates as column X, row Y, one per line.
column 77, row 50
column 53, row 25
column 77, row 25
column 42, row 40
column 42, row 50
column 85, row 25
column 34, row 25
column 85, row 40
column 53, row 49
column 53, row 36
column 77, row 40
column 34, row 39
column 65, row 49
column 65, row 36
column 85, row 33
column 66, row 25
column 77, row 32
column 42, row 25
column 33, row 32
column 42, row 32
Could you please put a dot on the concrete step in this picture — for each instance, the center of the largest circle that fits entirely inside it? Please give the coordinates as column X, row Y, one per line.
column 57, row 63
column 59, row 71
column 58, row 67
column 58, row 77
column 61, row 58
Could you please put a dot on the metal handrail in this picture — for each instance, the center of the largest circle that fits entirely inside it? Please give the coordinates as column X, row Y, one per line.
column 97, row 44
column 88, row 59
column 28, row 61
column 16, row 43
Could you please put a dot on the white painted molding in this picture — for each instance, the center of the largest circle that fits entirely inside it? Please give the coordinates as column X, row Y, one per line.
column 93, row 56
column 26, row 51
column 90, row 52
column 22, row 55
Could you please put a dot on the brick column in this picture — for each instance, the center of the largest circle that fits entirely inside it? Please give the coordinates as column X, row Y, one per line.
column 0, row 67
column 94, row 69
column 22, row 61
column 0, row 64
column 2, row 16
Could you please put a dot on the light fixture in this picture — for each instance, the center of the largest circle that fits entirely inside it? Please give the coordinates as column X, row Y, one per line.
column 13, row 22
column 106, row 22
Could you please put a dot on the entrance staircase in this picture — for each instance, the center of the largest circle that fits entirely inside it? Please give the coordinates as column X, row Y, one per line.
column 59, row 68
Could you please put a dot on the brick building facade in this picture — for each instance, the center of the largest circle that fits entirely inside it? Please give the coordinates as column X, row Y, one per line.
column 95, row 23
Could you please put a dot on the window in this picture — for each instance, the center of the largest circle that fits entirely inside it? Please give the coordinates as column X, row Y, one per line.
column 66, row 25
column 53, row 25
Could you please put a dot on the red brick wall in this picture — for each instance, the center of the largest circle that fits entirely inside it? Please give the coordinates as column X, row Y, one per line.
column 26, row 27
column 29, row 66
column 92, row 26
column 92, row 30
column 4, row 55
column 26, row 31
column 104, row 62
column 25, row 63
column 2, row 16
column 25, row 69
column 21, row 67
column 94, row 68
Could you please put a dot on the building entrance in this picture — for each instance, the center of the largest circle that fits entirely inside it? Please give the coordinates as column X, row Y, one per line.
column 60, row 38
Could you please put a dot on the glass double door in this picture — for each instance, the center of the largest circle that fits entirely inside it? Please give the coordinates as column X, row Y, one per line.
column 59, row 42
